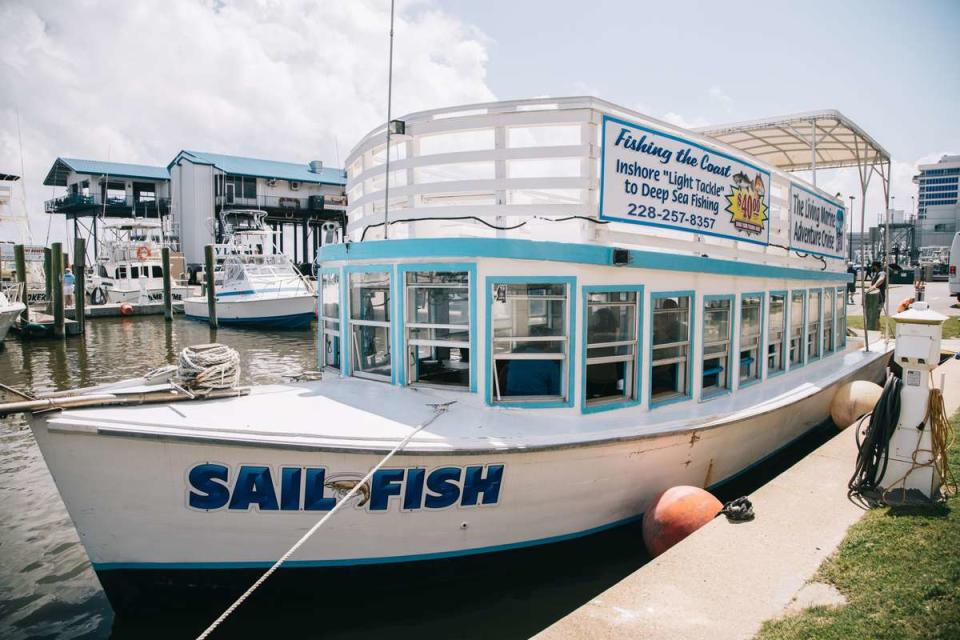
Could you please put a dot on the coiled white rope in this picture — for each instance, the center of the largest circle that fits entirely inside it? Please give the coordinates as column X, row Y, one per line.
column 209, row 366
column 438, row 410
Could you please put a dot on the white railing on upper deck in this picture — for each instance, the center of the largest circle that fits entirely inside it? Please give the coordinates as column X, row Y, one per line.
column 521, row 162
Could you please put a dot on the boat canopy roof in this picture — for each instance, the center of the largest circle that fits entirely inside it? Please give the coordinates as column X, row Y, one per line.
column 131, row 224
column 802, row 141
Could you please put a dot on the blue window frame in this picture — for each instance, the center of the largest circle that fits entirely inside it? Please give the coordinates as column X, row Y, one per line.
column 829, row 328
column 437, row 312
column 671, row 346
column 751, row 338
column 530, row 341
column 611, row 339
column 330, row 313
column 840, row 318
column 798, row 327
column 777, row 332
column 371, row 338
column 716, row 374
column 814, row 329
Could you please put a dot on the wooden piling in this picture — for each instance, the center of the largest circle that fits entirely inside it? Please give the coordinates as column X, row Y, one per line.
column 20, row 259
column 167, row 291
column 210, row 265
column 56, row 286
column 80, row 280
column 48, row 278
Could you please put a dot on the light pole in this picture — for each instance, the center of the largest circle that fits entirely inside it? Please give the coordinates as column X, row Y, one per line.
column 851, row 230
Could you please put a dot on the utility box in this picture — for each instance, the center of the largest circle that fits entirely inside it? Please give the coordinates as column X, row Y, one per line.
column 910, row 467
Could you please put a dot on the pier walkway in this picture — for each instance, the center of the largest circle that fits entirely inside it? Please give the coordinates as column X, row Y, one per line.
column 726, row 579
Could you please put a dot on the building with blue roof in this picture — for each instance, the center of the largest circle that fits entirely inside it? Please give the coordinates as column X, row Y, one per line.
column 190, row 192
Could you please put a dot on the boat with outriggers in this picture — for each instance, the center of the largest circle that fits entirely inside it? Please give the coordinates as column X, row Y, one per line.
column 255, row 284
column 565, row 308
column 129, row 266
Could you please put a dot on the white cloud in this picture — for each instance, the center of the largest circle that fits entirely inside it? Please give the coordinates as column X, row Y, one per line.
column 683, row 121
column 721, row 99
column 290, row 80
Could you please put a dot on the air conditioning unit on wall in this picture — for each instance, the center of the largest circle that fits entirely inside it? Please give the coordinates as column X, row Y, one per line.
column 294, row 186
column 271, row 182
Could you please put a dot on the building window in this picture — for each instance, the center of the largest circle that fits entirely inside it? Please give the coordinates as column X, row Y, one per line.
column 716, row 346
column 530, row 342
column 330, row 319
column 370, row 324
column 777, row 328
column 670, row 348
column 814, row 299
column 828, row 306
column 796, row 328
column 438, row 327
column 611, row 347
column 751, row 334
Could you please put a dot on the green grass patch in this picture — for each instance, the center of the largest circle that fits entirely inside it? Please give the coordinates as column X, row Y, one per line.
column 899, row 569
column 951, row 328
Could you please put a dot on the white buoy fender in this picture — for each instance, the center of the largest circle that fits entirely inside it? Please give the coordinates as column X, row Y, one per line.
column 853, row 400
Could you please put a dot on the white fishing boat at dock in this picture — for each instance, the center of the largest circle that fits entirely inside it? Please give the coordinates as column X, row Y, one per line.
column 255, row 285
column 566, row 308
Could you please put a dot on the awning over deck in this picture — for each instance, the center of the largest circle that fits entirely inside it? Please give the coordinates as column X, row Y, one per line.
column 804, row 141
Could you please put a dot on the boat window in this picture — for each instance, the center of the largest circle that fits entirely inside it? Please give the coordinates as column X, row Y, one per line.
column 716, row 346
column 841, row 312
column 121, row 272
column 530, row 335
column 370, row 324
column 134, row 272
column 438, row 328
column 102, row 271
column 330, row 319
column 828, row 305
column 750, row 337
column 157, row 272
column 775, row 332
column 796, row 328
column 813, row 324
column 611, row 346
column 670, row 348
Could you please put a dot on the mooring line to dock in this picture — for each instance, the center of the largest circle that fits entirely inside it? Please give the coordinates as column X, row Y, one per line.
column 438, row 410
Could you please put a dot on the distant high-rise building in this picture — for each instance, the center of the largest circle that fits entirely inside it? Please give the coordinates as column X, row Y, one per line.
column 938, row 211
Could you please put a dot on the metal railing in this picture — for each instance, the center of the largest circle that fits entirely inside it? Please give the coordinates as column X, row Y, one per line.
column 291, row 203
column 13, row 291
column 78, row 200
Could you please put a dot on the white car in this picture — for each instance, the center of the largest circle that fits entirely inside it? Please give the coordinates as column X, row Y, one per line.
column 954, row 268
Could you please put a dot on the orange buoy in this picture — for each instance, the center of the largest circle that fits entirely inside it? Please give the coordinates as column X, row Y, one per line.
column 675, row 514
column 126, row 309
column 904, row 304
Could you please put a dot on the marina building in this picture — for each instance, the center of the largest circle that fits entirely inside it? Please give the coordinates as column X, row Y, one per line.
column 189, row 194
column 938, row 206
column 298, row 199
column 97, row 189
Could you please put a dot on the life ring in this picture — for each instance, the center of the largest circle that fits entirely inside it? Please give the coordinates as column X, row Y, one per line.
column 904, row 304
column 143, row 252
column 98, row 296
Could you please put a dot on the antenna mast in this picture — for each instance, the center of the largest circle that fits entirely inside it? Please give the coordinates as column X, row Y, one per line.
column 386, row 190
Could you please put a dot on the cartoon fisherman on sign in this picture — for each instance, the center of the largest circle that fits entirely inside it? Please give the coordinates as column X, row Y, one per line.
column 746, row 204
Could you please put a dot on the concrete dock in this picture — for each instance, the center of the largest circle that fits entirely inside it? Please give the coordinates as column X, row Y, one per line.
column 726, row 579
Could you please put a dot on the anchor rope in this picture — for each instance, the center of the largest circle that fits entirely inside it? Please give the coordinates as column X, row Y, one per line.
column 438, row 410
column 209, row 366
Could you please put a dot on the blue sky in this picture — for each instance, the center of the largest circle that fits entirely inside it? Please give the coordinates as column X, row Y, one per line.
column 894, row 67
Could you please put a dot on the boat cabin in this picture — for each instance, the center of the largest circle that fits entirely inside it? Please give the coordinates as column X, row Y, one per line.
column 572, row 254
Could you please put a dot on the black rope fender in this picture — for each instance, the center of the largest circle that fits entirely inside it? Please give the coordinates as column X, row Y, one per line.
column 739, row 510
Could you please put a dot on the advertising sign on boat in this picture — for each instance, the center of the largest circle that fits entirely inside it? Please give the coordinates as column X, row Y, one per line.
column 817, row 225
column 659, row 179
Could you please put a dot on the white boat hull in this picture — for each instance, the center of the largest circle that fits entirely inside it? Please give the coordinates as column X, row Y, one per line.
column 8, row 315
column 133, row 296
column 293, row 312
column 141, row 510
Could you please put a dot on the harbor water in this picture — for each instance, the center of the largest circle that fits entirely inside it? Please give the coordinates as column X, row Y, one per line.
column 48, row 589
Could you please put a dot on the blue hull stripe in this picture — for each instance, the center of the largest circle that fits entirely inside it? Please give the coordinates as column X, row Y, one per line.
column 562, row 252
column 295, row 321
column 113, row 566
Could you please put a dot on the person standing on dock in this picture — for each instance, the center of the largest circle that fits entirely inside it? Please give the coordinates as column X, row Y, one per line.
column 69, row 282
column 879, row 281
